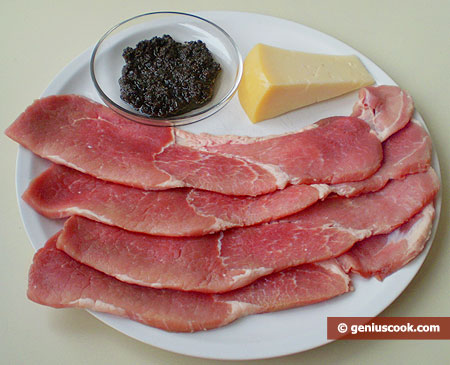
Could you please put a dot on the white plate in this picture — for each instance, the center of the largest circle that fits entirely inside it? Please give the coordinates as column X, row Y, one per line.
column 264, row 335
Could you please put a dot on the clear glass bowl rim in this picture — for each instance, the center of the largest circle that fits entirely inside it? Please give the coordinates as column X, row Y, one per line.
column 175, row 120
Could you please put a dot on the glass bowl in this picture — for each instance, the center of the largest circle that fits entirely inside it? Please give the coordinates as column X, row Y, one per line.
column 107, row 62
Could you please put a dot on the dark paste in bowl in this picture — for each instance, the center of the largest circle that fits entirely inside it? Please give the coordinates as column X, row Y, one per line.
column 163, row 77
column 178, row 92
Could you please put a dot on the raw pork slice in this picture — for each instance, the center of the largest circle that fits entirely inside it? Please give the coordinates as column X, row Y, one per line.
column 76, row 132
column 325, row 152
column 60, row 192
column 236, row 257
column 58, row 281
column 406, row 152
column 382, row 255
column 386, row 108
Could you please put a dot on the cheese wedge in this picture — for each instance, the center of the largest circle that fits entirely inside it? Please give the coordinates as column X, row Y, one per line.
column 276, row 81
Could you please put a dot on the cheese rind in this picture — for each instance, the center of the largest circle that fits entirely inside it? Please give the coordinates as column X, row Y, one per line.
column 276, row 81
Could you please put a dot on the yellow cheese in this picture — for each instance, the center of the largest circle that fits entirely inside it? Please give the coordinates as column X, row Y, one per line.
column 276, row 80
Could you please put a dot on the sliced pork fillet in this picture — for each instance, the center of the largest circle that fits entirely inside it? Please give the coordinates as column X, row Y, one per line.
column 87, row 136
column 60, row 192
column 323, row 153
column 382, row 255
column 386, row 108
column 406, row 152
column 76, row 132
column 57, row 280
column 236, row 257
